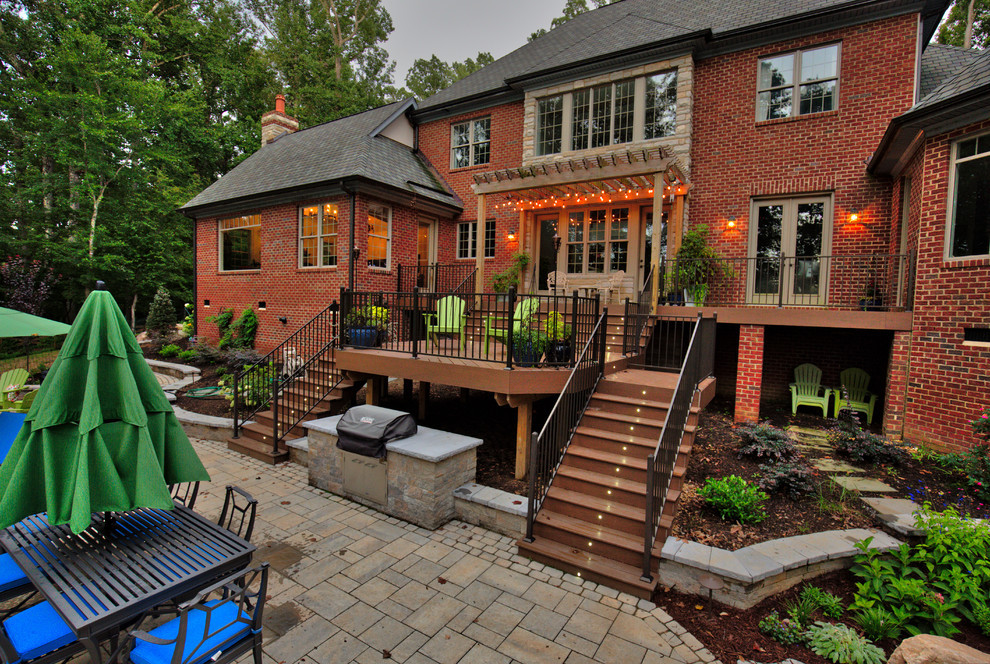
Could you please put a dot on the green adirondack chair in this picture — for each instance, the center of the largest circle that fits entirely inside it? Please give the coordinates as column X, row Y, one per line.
column 807, row 390
column 524, row 309
column 11, row 381
column 448, row 319
column 856, row 383
column 24, row 405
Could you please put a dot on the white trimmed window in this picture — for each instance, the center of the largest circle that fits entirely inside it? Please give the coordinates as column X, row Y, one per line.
column 969, row 230
column 318, row 235
column 379, row 236
column 635, row 109
column 240, row 243
column 467, row 244
column 798, row 83
column 471, row 143
column 597, row 241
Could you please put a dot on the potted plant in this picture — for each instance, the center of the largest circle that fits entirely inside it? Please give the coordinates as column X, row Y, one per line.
column 558, row 339
column 872, row 299
column 529, row 342
column 366, row 325
column 697, row 265
column 503, row 281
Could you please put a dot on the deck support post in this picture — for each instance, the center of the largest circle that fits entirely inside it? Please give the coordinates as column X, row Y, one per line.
column 658, row 185
column 373, row 391
column 465, row 394
column 524, row 430
column 479, row 245
column 407, row 390
column 424, row 399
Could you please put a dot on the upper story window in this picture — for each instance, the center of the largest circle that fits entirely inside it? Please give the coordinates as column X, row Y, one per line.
column 318, row 236
column 798, row 83
column 379, row 236
column 471, row 143
column 970, row 227
column 240, row 243
column 467, row 243
column 607, row 114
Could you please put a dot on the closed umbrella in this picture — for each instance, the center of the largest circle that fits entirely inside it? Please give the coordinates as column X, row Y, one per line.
column 100, row 436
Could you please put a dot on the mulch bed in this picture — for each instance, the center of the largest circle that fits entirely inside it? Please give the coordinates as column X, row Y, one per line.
column 217, row 406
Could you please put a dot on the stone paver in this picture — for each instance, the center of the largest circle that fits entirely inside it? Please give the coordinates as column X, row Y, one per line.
column 863, row 485
column 349, row 584
column 835, row 466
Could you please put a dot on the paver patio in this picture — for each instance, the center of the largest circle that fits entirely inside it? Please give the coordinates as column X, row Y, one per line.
column 349, row 584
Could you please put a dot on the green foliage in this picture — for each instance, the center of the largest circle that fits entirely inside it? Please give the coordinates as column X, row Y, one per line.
column 169, row 350
column 556, row 328
column 161, row 316
column 981, row 616
column 187, row 322
column 828, row 603
column 209, row 354
column 734, row 499
column 953, row 28
column 974, row 465
column 842, row 645
column 932, row 586
column 572, row 8
column 235, row 334
column 795, row 478
column 188, row 355
column 697, row 263
column 878, row 623
column 765, row 441
column 530, row 335
column 784, row 630
column 367, row 316
column 427, row 77
column 802, row 609
column 503, row 281
column 255, row 386
column 851, row 441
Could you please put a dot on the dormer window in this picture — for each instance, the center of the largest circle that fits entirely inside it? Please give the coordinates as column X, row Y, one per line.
column 470, row 143
column 799, row 83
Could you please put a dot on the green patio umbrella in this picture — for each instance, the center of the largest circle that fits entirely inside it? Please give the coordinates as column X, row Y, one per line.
column 15, row 323
column 100, row 436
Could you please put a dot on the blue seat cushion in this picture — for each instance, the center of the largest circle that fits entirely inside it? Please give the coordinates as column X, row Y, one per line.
column 224, row 614
column 11, row 575
column 37, row 630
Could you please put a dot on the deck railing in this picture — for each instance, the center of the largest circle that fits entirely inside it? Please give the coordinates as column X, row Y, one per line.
column 307, row 352
column 870, row 282
column 400, row 323
column 636, row 318
column 697, row 365
column 436, row 277
column 547, row 447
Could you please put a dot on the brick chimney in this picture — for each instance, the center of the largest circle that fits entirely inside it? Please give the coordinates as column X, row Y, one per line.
column 276, row 123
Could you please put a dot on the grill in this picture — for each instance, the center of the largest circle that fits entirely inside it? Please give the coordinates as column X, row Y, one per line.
column 365, row 430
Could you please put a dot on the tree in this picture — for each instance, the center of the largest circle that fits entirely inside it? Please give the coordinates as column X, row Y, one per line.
column 967, row 24
column 572, row 8
column 427, row 77
column 161, row 315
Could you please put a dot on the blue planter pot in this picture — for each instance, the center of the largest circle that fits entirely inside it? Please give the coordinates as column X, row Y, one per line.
column 364, row 337
column 525, row 355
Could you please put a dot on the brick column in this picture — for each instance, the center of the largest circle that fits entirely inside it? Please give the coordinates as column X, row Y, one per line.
column 897, row 380
column 749, row 373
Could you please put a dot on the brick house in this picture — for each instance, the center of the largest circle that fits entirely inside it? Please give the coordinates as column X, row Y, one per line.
column 820, row 142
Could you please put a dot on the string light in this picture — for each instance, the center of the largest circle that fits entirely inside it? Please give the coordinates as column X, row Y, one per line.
column 569, row 200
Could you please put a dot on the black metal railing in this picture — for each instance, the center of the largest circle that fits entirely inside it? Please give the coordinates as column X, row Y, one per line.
column 871, row 282
column 547, row 447
column 511, row 329
column 299, row 390
column 256, row 386
column 697, row 365
column 435, row 277
column 637, row 318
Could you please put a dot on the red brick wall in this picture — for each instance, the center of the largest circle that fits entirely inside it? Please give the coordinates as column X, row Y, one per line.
column 749, row 373
column 506, row 135
column 735, row 158
column 288, row 290
column 948, row 382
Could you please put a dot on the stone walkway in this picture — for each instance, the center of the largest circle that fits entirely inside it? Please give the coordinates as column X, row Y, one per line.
column 349, row 584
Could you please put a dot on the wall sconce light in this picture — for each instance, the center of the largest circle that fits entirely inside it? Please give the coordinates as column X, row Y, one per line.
column 511, row 236
column 206, row 304
column 262, row 305
column 854, row 215
column 283, row 320
column 731, row 223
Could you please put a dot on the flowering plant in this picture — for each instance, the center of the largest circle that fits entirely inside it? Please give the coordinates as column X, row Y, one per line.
column 367, row 316
column 981, row 425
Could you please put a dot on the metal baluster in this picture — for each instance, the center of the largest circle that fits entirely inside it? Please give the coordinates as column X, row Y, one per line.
column 511, row 315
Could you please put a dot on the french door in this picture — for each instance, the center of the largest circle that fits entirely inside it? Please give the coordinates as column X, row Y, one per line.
column 425, row 253
column 787, row 240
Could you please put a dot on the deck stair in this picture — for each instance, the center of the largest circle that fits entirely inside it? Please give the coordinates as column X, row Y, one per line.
column 591, row 522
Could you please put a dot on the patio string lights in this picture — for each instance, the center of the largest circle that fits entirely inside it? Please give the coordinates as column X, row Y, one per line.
column 518, row 204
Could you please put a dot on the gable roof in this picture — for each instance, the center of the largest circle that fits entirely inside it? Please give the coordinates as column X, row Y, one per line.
column 350, row 147
column 973, row 75
column 627, row 26
column 941, row 62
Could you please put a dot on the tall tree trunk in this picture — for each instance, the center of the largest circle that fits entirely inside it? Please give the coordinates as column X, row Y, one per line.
column 134, row 312
column 47, row 168
column 968, row 37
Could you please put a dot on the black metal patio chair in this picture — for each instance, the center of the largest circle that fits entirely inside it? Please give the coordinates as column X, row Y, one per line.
column 185, row 493
column 239, row 512
column 219, row 625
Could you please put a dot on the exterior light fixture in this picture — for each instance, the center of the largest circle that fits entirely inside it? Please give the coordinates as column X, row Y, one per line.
column 854, row 215
column 731, row 223
column 262, row 306
column 511, row 236
column 206, row 304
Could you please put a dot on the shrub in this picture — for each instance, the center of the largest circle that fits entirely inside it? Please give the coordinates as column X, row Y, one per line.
column 839, row 643
column 169, row 350
column 161, row 315
column 801, row 609
column 784, row 631
column 981, row 616
column 207, row 353
column 556, row 328
column 187, row 322
column 735, row 499
column 974, row 464
column 765, row 441
column 860, row 445
column 829, row 604
column 878, row 623
column 254, row 387
column 793, row 478
column 242, row 358
column 981, row 425
column 188, row 355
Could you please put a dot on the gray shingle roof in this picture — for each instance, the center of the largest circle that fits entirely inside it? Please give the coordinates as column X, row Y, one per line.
column 940, row 62
column 975, row 74
column 621, row 26
column 340, row 149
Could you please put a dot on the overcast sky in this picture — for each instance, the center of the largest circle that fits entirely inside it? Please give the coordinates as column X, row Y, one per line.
column 459, row 29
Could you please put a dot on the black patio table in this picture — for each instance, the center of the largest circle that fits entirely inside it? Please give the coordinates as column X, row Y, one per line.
column 100, row 583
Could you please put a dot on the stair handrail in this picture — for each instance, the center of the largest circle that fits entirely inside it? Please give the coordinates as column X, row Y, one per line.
column 636, row 315
column 697, row 365
column 571, row 403
column 255, row 378
column 469, row 279
column 281, row 425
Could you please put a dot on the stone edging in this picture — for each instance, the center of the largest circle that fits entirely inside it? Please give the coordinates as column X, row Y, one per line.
column 208, row 427
column 186, row 374
column 491, row 508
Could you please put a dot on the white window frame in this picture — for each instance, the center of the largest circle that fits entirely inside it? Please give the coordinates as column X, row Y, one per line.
column 950, row 225
column 237, row 223
column 796, row 83
column 472, row 144
column 319, row 237
column 638, row 114
column 373, row 208
column 472, row 250
column 606, row 240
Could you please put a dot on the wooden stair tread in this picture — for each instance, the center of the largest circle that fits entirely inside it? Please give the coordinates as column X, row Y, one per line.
column 618, row 417
column 594, row 532
column 602, row 505
column 626, row 575
column 630, row 401
column 606, row 457
column 602, row 479
column 617, row 437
